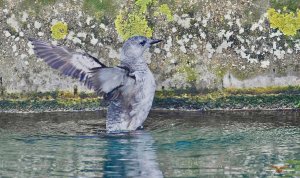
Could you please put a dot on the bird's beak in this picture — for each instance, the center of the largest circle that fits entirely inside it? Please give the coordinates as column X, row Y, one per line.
column 154, row 41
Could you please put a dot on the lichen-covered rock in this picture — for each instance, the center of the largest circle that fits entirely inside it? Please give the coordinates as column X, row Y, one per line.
column 207, row 44
column 59, row 30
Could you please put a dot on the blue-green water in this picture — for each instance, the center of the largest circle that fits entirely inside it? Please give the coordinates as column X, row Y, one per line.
column 172, row 144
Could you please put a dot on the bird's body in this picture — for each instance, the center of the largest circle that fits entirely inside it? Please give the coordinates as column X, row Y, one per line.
column 129, row 87
column 131, row 108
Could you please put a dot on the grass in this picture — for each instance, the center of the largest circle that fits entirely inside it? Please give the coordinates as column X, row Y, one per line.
column 231, row 98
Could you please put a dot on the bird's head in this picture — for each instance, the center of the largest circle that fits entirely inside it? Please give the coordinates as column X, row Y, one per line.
column 135, row 46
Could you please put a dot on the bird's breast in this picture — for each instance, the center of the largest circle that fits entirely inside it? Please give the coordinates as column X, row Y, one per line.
column 144, row 85
column 134, row 104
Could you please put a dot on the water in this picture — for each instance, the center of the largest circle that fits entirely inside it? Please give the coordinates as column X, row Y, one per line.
column 173, row 144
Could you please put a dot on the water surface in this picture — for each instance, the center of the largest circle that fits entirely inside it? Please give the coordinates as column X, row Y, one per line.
column 172, row 144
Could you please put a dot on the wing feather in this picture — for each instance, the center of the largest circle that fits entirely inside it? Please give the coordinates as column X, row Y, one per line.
column 67, row 61
column 105, row 80
column 84, row 67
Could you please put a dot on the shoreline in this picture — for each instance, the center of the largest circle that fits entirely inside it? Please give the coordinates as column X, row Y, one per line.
column 250, row 99
column 153, row 110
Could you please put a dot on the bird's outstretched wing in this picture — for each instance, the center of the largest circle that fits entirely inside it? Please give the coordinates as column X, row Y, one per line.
column 82, row 66
column 106, row 80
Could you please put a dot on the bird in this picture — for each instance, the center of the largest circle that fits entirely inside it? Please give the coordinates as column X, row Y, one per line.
column 129, row 87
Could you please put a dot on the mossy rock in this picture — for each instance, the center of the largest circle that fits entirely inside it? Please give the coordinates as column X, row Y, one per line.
column 1, row 3
column 36, row 5
column 291, row 5
column 101, row 8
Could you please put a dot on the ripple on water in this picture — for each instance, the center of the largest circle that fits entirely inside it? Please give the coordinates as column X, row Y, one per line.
column 173, row 144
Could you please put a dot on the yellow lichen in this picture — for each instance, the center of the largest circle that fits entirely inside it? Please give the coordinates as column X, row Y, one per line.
column 133, row 21
column 59, row 30
column 143, row 4
column 165, row 10
column 134, row 24
column 287, row 22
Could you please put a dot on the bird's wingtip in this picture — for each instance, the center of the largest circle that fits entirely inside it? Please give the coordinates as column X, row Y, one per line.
column 34, row 40
column 31, row 39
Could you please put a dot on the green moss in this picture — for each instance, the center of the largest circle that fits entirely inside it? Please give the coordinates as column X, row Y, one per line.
column 251, row 98
column 190, row 72
column 186, row 65
column 255, row 98
column 220, row 71
column 264, row 90
column 244, row 74
column 56, row 100
column 46, row 105
column 59, row 30
column 229, row 102
column 274, row 90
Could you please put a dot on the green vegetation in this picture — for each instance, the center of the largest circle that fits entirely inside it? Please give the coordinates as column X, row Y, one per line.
column 208, row 102
column 252, row 98
column 59, row 30
column 49, row 101
column 264, row 90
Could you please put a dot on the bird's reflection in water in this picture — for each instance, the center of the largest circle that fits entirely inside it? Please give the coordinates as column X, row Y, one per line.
column 131, row 155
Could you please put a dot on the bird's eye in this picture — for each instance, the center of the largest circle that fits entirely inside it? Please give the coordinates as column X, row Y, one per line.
column 143, row 43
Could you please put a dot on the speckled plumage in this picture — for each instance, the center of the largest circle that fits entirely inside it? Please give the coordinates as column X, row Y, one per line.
column 129, row 88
